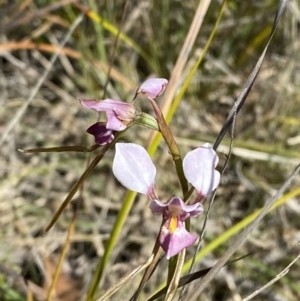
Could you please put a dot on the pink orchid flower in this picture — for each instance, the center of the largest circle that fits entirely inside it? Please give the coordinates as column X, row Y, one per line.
column 135, row 170
column 173, row 236
column 119, row 115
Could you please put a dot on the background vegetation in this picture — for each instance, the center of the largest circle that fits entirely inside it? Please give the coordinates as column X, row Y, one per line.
column 32, row 186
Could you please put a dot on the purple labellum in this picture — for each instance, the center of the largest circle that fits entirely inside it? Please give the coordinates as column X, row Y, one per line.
column 101, row 133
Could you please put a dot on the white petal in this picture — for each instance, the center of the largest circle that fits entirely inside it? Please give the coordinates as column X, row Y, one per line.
column 134, row 168
column 199, row 169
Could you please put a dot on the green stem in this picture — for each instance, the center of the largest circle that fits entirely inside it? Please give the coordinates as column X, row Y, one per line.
column 172, row 145
column 120, row 220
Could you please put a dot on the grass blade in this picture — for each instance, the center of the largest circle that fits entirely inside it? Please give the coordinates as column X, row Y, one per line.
column 250, row 80
column 241, row 238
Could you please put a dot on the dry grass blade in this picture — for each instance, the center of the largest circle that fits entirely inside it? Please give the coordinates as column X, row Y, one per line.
column 182, row 282
column 250, row 80
column 184, row 53
column 158, row 252
column 246, row 153
column 279, row 276
column 176, row 276
column 125, row 279
column 114, row 73
column 59, row 149
column 241, row 238
column 192, row 277
column 27, row 18
column 62, row 256
column 76, row 187
column 38, row 85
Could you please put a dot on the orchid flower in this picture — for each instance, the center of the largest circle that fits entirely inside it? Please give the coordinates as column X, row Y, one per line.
column 119, row 115
column 134, row 169
column 152, row 87
column 173, row 236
